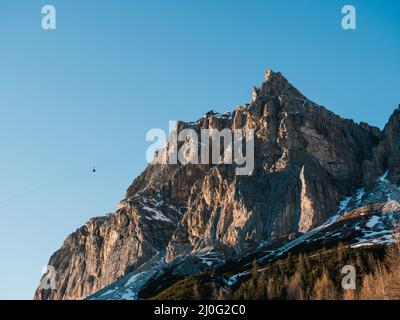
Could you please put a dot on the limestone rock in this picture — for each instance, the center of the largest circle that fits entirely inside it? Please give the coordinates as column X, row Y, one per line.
column 306, row 160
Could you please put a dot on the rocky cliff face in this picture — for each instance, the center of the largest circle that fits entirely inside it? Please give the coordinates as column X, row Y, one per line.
column 306, row 160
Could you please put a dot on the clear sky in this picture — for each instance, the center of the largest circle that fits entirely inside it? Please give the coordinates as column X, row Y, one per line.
column 86, row 93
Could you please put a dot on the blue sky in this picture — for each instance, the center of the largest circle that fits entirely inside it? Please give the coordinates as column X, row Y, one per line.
column 85, row 94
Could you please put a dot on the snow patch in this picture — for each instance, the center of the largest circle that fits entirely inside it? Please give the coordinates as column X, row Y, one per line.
column 108, row 292
column 372, row 222
column 157, row 214
column 344, row 204
column 359, row 195
column 232, row 280
column 210, row 257
column 133, row 278
column 384, row 176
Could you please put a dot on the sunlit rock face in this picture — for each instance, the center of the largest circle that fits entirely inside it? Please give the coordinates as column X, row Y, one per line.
column 306, row 159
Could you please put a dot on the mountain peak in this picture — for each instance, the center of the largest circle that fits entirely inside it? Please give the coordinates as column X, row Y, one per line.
column 306, row 163
column 277, row 85
column 268, row 74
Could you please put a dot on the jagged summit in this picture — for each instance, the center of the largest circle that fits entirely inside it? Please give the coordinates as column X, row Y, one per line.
column 307, row 161
column 269, row 73
column 277, row 85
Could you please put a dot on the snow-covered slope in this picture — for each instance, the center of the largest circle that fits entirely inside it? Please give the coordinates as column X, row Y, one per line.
column 364, row 219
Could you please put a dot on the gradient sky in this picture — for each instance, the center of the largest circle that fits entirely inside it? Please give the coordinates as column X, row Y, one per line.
column 85, row 94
